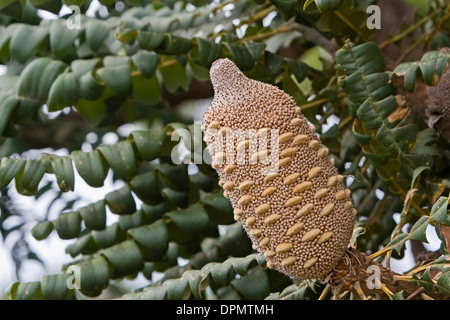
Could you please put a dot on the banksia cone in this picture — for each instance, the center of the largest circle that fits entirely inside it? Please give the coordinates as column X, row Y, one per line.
column 439, row 104
column 282, row 184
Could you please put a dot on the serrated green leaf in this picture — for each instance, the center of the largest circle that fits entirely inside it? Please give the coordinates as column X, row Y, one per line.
column 443, row 283
column 426, row 280
column 418, row 230
column 439, row 212
column 398, row 242
column 397, row 296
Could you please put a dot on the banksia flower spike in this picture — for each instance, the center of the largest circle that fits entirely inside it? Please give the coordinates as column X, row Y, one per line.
column 282, row 184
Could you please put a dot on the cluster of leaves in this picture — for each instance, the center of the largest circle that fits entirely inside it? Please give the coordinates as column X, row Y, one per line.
column 134, row 65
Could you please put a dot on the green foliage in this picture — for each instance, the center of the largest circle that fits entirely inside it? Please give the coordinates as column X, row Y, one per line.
column 146, row 66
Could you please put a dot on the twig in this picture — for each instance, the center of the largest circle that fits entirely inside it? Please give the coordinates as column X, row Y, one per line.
column 406, row 31
column 386, row 290
column 257, row 16
column 438, row 25
column 359, row 290
column 222, row 5
column 320, row 101
column 344, row 122
column 324, row 292
column 350, row 25
column 413, row 46
column 425, row 296
column 264, row 35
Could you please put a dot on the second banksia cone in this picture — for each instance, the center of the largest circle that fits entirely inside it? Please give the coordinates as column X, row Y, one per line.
column 282, row 184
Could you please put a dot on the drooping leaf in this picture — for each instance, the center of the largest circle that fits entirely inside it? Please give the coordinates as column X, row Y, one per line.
column 62, row 38
column 28, row 181
column 117, row 78
column 146, row 62
column 63, row 93
column 430, row 67
column 54, row 287
column 42, row 229
column 10, row 167
column 94, row 275
column 125, row 258
column 154, row 238
column 120, row 158
column 94, row 215
column 121, row 201
column 25, row 40
column 37, row 78
column 68, row 225
column 63, row 169
column 91, row 166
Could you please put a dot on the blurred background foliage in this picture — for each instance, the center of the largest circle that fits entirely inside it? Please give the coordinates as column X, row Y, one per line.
column 100, row 94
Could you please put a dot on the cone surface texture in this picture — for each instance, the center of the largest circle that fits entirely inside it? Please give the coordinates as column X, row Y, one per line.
column 281, row 182
column 439, row 104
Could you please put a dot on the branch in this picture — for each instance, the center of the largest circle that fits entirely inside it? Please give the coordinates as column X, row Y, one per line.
column 353, row 274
